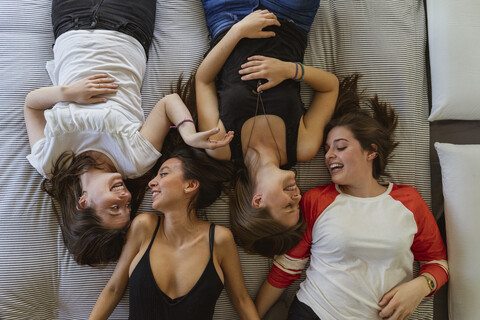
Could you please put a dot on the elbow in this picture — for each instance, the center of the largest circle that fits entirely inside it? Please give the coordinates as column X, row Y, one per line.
column 334, row 82
column 169, row 98
column 27, row 104
column 307, row 151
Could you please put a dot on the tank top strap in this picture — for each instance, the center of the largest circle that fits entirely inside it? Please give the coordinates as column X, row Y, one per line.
column 211, row 238
column 154, row 234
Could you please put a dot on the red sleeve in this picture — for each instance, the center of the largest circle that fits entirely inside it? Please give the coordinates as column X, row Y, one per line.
column 288, row 267
column 428, row 246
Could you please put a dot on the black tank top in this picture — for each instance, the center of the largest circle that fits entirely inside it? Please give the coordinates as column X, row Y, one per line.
column 237, row 99
column 147, row 301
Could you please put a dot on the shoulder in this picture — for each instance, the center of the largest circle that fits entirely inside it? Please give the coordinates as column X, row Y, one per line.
column 314, row 202
column 223, row 237
column 321, row 194
column 325, row 189
column 404, row 189
column 144, row 222
column 406, row 194
column 411, row 199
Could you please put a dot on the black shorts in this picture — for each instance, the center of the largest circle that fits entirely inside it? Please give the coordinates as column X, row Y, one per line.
column 300, row 311
column 135, row 18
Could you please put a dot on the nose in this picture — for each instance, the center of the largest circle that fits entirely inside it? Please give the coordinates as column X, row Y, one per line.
column 292, row 174
column 126, row 196
column 296, row 197
column 329, row 153
column 152, row 183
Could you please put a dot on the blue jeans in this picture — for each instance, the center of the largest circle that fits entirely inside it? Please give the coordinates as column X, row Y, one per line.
column 135, row 18
column 221, row 14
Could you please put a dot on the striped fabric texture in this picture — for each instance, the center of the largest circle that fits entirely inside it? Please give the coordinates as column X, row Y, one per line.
column 383, row 40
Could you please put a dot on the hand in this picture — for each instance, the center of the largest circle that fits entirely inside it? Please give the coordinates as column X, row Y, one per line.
column 87, row 91
column 401, row 301
column 274, row 70
column 252, row 25
column 202, row 139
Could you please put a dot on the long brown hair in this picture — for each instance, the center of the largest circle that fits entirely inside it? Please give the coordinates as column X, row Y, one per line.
column 255, row 229
column 83, row 233
column 374, row 125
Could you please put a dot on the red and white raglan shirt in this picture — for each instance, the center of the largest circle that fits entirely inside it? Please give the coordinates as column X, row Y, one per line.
column 359, row 249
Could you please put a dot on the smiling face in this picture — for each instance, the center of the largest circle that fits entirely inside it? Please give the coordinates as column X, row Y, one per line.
column 349, row 164
column 107, row 194
column 169, row 186
column 281, row 196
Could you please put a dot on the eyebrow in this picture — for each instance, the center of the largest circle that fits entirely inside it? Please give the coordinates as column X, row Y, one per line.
column 340, row 139
column 163, row 168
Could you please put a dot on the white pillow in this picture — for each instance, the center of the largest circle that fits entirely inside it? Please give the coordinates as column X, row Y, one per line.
column 461, row 190
column 454, row 42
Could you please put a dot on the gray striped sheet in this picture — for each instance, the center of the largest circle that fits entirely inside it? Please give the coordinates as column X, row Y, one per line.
column 384, row 40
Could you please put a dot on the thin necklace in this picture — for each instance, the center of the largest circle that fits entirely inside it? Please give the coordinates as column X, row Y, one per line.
column 260, row 102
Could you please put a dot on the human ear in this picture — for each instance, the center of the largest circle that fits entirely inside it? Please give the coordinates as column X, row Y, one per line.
column 372, row 154
column 192, row 185
column 257, row 200
column 82, row 202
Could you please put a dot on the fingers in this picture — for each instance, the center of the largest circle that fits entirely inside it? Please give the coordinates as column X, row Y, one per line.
column 252, row 70
column 103, row 85
column 96, row 100
column 105, row 88
column 266, row 86
column 102, row 80
column 97, row 76
column 101, row 77
column 266, row 34
column 386, row 298
column 270, row 16
column 99, row 85
column 251, row 74
column 221, row 143
column 257, row 57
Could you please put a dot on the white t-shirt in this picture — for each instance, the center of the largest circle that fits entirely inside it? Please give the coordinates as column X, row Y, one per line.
column 111, row 127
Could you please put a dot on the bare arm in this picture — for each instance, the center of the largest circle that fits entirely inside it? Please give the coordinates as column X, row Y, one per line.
column 310, row 135
column 171, row 110
column 325, row 84
column 85, row 91
column 115, row 288
column 266, row 297
column 234, row 283
column 207, row 102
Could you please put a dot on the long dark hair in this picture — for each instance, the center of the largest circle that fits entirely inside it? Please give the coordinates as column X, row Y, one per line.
column 374, row 125
column 83, row 233
column 214, row 176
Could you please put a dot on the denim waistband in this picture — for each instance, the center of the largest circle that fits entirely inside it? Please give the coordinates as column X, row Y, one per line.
column 222, row 14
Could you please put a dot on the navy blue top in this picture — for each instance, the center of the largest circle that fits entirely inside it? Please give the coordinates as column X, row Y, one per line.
column 147, row 300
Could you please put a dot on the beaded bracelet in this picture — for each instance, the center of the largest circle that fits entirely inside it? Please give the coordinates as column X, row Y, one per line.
column 303, row 72
column 182, row 122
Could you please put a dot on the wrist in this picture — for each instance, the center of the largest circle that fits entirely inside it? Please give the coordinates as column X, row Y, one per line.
column 65, row 93
column 292, row 70
column 186, row 129
column 428, row 282
column 236, row 32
